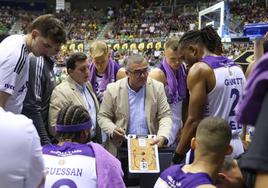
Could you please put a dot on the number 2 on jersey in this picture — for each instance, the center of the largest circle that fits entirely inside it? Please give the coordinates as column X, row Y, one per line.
column 236, row 95
column 69, row 183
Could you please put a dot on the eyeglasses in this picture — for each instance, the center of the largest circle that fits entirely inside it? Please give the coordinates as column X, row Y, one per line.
column 138, row 73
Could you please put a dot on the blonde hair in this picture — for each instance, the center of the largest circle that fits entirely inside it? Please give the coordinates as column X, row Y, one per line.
column 172, row 43
column 98, row 48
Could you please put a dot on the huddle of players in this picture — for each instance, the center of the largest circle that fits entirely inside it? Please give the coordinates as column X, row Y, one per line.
column 214, row 83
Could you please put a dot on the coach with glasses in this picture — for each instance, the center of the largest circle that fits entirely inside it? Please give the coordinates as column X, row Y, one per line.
column 135, row 105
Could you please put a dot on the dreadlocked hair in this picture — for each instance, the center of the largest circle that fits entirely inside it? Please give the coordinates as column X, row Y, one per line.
column 212, row 40
column 206, row 36
column 71, row 115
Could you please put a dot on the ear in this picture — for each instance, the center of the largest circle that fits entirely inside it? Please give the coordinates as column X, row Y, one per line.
column 126, row 71
column 229, row 150
column 193, row 143
column 34, row 33
column 84, row 136
column 221, row 178
column 69, row 71
column 193, row 49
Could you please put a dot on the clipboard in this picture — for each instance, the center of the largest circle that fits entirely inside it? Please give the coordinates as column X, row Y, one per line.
column 142, row 156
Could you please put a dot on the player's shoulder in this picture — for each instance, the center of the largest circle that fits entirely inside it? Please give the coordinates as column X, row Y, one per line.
column 200, row 70
column 13, row 38
column 13, row 43
column 16, row 121
column 157, row 74
column 121, row 73
column 200, row 66
column 13, row 50
column 170, row 171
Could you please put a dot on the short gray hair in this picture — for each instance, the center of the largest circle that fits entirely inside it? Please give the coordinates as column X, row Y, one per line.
column 134, row 59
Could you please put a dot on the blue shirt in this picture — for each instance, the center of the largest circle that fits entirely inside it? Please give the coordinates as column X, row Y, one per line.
column 137, row 117
column 90, row 104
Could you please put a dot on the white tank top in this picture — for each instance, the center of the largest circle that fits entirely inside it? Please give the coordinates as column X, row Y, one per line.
column 223, row 99
column 176, row 109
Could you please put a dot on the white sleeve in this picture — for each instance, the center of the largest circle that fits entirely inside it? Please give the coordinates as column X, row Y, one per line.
column 36, row 170
column 161, row 184
column 11, row 63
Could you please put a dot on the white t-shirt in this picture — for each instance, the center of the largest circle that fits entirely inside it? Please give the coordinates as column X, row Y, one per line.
column 14, row 71
column 22, row 164
column 70, row 165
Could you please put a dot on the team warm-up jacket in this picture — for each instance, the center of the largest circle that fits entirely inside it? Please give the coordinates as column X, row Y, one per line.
column 41, row 84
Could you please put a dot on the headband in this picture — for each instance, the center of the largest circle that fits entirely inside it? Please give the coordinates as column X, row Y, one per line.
column 74, row 128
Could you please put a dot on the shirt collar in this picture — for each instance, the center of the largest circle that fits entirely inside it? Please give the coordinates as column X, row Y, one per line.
column 80, row 87
column 134, row 92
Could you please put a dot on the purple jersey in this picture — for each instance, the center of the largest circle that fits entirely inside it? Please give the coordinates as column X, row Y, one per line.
column 174, row 177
